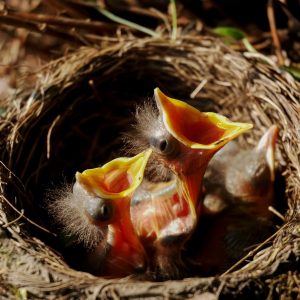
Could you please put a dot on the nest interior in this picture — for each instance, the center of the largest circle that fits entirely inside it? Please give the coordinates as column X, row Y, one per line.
column 73, row 120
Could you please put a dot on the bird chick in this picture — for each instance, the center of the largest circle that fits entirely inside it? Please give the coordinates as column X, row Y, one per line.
column 183, row 140
column 97, row 212
column 243, row 190
column 242, row 176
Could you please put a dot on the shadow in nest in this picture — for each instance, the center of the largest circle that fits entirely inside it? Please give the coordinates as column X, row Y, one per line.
column 74, row 120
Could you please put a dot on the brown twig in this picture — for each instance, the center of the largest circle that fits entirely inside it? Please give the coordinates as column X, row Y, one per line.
column 15, row 220
column 38, row 27
column 139, row 11
column 276, row 212
column 21, row 214
column 72, row 37
column 273, row 28
column 94, row 26
column 66, row 29
column 49, row 135
column 61, row 6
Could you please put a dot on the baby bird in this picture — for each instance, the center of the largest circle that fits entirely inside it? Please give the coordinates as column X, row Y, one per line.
column 242, row 176
column 236, row 204
column 183, row 140
column 97, row 212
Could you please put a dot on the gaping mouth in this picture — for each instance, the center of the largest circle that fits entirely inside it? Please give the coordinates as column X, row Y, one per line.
column 203, row 134
column 117, row 179
column 195, row 129
column 115, row 182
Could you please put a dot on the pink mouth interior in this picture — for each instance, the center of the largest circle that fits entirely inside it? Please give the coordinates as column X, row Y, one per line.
column 196, row 129
column 116, row 181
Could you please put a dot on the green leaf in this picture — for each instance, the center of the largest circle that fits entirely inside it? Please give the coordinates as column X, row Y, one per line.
column 294, row 71
column 230, row 32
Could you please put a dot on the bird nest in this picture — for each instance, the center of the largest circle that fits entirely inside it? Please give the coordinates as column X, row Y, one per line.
column 73, row 119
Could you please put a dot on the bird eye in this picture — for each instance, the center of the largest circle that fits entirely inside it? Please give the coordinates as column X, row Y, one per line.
column 99, row 210
column 165, row 146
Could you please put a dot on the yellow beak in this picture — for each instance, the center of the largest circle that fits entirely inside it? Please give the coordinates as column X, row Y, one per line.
column 117, row 179
column 195, row 129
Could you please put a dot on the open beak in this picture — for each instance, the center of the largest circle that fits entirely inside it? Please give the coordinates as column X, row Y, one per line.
column 115, row 182
column 117, row 179
column 267, row 145
column 195, row 129
column 201, row 133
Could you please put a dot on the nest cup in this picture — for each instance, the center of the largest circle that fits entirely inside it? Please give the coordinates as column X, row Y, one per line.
column 73, row 120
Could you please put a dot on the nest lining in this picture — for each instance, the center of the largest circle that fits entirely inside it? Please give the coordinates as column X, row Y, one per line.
column 73, row 121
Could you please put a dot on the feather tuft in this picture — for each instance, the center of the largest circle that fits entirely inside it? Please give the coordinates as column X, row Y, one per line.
column 148, row 123
column 67, row 209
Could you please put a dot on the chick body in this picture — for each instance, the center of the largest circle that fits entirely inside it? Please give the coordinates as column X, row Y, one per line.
column 236, row 201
